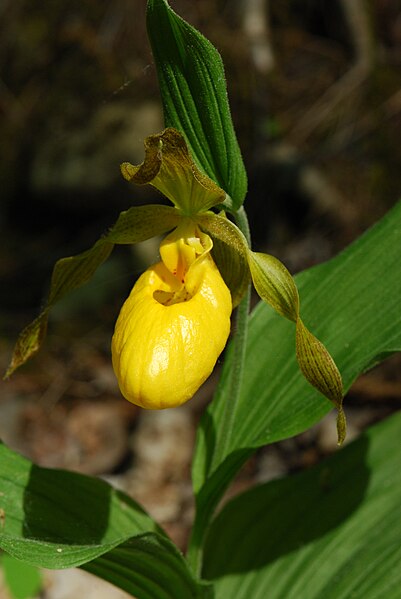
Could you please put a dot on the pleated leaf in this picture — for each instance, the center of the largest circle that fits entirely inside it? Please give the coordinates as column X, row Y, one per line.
column 59, row 519
column 134, row 225
column 194, row 96
column 352, row 302
column 333, row 531
column 150, row 567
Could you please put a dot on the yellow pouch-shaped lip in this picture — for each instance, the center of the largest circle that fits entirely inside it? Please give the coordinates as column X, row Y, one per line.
column 163, row 351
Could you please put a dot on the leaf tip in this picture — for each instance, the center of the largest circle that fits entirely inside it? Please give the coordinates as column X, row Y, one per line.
column 28, row 343
column 341, row 426
column 11, row 368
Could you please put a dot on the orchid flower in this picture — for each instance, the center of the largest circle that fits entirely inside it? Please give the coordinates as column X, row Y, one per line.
column 176, row 321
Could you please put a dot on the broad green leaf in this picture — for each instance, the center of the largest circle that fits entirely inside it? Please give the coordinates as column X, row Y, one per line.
column 352, row 304
column 333, row 531
column 59, row 519
column 22, row 580
column 134, row 225
column 194, row 95
column 150, row 567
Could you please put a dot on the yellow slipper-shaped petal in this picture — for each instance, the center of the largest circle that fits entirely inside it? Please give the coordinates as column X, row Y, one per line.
column 173, row 326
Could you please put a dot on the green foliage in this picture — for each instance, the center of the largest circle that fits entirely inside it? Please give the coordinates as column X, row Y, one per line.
column 23, row 580
column 62, row 519
column 150, row 567
column 343, row 301
column 333, row 531
column 59, row 519
column 358, row 318
column 194, row 95
column 95, row 525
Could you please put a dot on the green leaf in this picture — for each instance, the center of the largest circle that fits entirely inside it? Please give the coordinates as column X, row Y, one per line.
column 350, row 302
column 134, row 225
column 160, row 571
column 22, row 580
column 194, row 95
column 333, row 531
column 59, row 519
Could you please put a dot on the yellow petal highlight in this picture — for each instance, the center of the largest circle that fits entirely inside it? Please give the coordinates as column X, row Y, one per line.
column 174, row 325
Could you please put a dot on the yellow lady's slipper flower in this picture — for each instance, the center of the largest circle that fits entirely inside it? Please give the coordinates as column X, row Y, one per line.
column 174, row 325
column 176, row 321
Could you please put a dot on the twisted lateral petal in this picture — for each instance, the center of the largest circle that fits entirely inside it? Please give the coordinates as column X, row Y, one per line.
column 168, row 337
column 136, row 224
column 230, row 252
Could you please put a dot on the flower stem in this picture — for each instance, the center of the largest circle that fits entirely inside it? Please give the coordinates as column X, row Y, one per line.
column 238, row 360
column 205, row 513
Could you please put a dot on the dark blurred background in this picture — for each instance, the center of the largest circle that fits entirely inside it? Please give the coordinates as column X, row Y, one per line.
column 315, row 91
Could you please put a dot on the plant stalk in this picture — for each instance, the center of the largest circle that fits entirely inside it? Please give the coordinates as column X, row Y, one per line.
column 238, row 360
column 201, row 524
